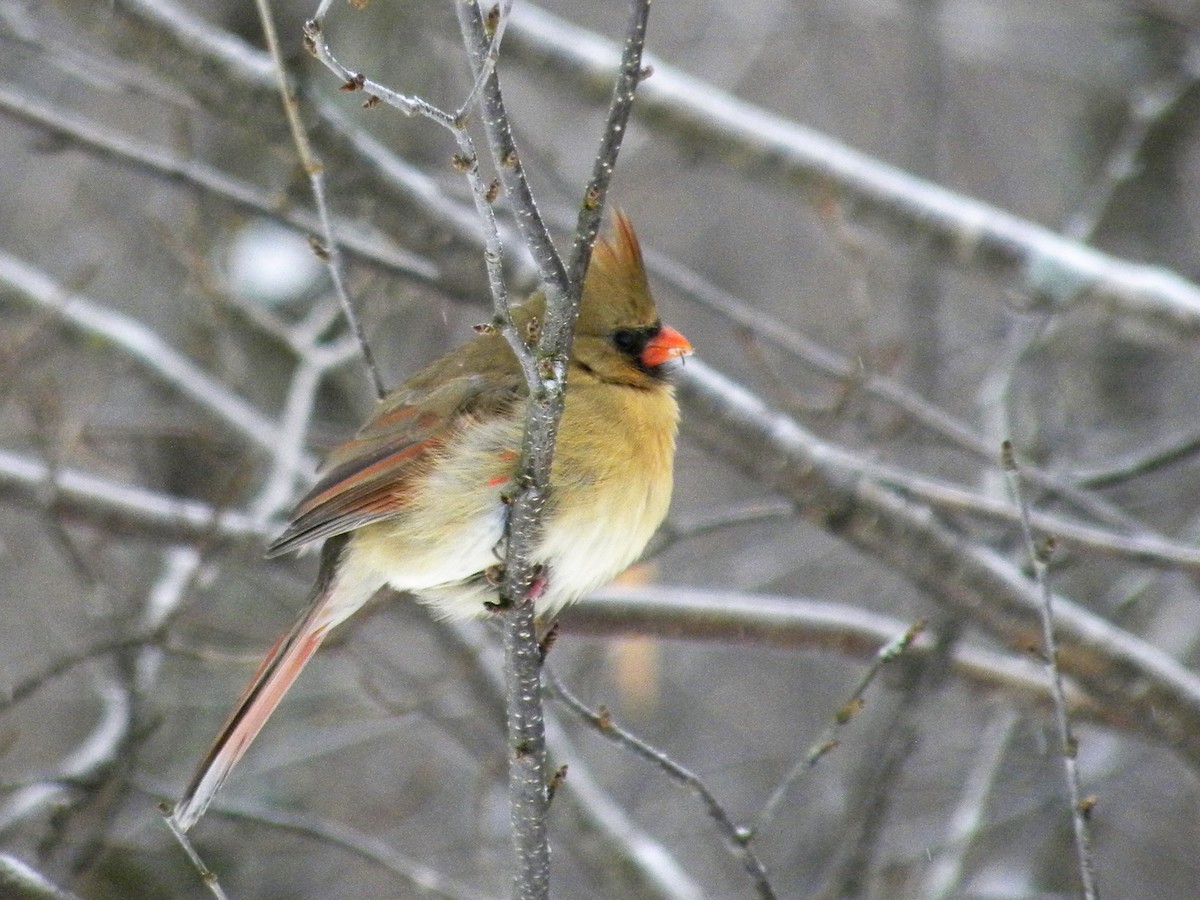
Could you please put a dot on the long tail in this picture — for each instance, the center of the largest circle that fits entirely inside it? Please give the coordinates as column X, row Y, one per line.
column 276, row 674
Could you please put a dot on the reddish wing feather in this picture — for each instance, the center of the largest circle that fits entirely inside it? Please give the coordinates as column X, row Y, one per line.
column 366, row 489
column 367, row 477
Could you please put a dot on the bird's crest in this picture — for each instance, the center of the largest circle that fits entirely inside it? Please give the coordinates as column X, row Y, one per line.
column 615, row 289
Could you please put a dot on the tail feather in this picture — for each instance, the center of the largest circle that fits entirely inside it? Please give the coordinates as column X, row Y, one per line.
column 276, row 674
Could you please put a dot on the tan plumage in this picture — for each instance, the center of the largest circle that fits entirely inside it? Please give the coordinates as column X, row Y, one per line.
column 415, row 499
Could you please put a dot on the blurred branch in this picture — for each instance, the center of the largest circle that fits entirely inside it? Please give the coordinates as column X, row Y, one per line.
column 30, row 684
column 674, row 532
column 853, row 373
column 1145, row 461
column 247, row 70
column 652, row 867
column 1051, row 269
column 110, row 503
column 180, row 565
column 833, row 492
column 679, row 613
column 828, row 740
column 227, row 55
column 330, row 250
column 942, row 879
column 737, row 838
column 1039, row 558
column 428, row 881
column 19, row 882
column 141, row 344
column 98, row 751
column 655, row 870
column 363, row 241
column 1143, row 549
column 1147, row 110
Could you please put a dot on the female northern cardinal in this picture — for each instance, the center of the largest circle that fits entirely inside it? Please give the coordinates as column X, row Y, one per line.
column 416, row 500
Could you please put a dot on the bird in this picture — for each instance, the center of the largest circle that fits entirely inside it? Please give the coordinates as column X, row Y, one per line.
column 417, row 500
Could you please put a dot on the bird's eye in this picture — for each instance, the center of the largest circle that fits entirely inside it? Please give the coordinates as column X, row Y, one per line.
column 629, row 340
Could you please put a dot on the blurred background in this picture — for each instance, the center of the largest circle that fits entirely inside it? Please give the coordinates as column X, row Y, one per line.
column 173, row 365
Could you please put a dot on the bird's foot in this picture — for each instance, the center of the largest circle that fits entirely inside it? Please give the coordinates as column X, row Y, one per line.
column 494, row 576
column 547, row 641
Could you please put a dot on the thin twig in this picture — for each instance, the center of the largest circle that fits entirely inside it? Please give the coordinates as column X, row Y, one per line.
column 467, row 162
column 1047, row 267
column 510, row 168
column 330, row 250
column 1039, row 556
column 363, row 242
column 616, row 125
column 1147, row 683
column 207, row 875
column 845, row 714
column 736, row 837
column 484, row 71
column 943, row 876
column 110, row 503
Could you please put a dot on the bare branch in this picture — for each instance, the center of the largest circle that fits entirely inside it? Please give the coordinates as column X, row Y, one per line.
column 140, row 344
column 18, row 880
column 899, row 644
column 737, row 838
column 1039, row 557
column 943, row 876
column 1160, row 693
column 107, row 502
column 852, row 372
column 362, row 242
column 671, row 613
column 1051, row 269
column 314, row 169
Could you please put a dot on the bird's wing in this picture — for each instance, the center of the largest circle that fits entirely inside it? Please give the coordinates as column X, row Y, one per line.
column 369, row 477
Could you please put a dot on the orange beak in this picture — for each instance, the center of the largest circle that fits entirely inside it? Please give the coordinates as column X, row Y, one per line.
column 668, row 344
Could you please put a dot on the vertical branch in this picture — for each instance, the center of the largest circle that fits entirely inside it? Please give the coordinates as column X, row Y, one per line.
column 736, row 837
column 509, row 167
column 592, row 208
column 528, row 794
column 328, row 250
column 529, row 798
column 845, row 713
column 467, row 161
column 1040, row 556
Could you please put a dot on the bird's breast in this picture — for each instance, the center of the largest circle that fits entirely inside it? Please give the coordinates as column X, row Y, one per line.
column 610, row 490
column 610, row 486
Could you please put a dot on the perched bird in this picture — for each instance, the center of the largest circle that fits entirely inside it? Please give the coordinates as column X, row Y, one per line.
column 417, row 499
